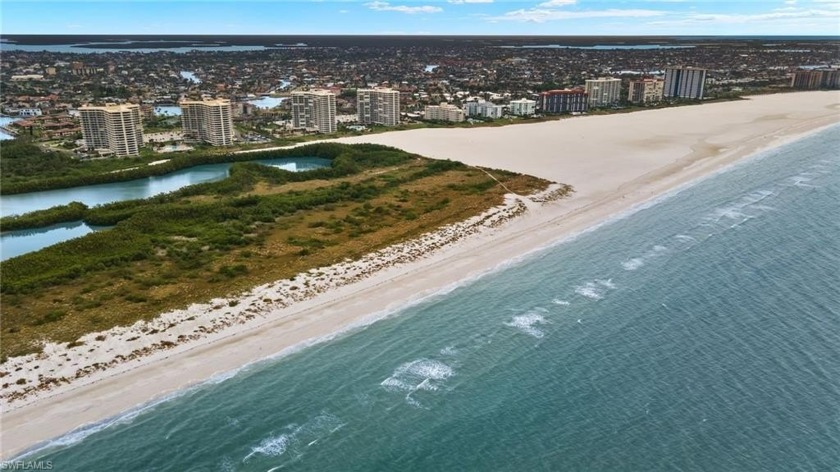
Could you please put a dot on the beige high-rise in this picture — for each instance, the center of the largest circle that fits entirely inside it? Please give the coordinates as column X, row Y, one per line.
column 646, row 90
column 444, row 112
column 209, row 121
column 117, row 128
column 314, row 111
column 378, row 106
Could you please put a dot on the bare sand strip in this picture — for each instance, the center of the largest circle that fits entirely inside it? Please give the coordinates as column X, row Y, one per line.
column 614, row 162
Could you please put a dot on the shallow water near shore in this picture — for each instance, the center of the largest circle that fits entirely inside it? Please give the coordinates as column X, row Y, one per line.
column 700, row 333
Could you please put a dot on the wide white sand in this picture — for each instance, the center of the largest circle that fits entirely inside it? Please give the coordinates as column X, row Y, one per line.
column 614, row 162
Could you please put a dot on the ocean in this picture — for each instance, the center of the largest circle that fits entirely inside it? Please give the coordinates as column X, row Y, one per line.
column 699, row 333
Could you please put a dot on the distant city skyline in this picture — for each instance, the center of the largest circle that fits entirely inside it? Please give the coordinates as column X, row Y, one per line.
column 441, row 17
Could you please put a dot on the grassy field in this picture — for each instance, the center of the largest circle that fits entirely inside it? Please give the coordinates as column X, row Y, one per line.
column 216, row 240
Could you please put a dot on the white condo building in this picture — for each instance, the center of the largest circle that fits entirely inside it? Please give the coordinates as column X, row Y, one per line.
column 484, row 109
column 604, row 91
column 523, row 107
column 314, row 111
column 117, row 129
column 444, row 112
column 684, row 82
column 378, row 106
column 209, row 121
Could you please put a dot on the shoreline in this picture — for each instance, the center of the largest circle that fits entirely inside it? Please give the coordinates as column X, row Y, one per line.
column 655, row 173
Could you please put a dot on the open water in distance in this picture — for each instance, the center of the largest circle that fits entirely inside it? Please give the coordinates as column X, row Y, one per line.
column 5, row 121
column 89, row 48
column 698, row 334
column 15, row 243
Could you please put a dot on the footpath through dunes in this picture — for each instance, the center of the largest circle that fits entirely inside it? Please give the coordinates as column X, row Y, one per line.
column 613, row 168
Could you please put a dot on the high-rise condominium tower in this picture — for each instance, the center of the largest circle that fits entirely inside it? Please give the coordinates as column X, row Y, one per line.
column 603, row 92
column 684, row 82
column 209, row 121
column 378, row 106
column 117, row 128
column 314, row 110
column 645, row 90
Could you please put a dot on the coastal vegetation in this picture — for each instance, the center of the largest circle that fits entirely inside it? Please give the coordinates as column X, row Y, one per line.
column 73, row 211
column 25, row 167
column 217, row 239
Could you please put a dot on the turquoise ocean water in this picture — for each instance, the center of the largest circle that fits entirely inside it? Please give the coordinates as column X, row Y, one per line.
column 701, row 333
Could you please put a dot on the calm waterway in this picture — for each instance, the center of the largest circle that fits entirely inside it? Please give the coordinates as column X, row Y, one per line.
column 267, row 103
column 5, row 121
column 15, row 243
column 601, row 46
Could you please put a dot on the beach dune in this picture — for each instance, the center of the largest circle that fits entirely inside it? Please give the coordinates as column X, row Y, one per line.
column 599, row 154
column 614, row 162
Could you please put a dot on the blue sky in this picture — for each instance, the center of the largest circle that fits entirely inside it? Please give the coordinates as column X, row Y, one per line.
column 488, row 17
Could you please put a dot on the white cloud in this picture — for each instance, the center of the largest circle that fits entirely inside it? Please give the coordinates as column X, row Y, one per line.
column 385, row 6
column 541, row 15
column 460, row 2
column 781, row 14
column 833, row 4
column 556, row 3
column 787, row 20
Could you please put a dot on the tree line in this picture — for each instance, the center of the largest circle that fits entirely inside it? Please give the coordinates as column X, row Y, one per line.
column 27, row 168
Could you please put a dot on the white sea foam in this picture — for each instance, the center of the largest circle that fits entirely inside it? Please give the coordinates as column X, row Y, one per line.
column 800, row 181
column 227, row 465
column 596, row 289
column 637, row 262
column 81, row 433
column 685, row 237
column 735, row 211
column 449, row 351
column 608, row 283
column 221, row 377
column 633, row 264
column 273, row 446
column 590, row 290
column 411, row 401
column 754, row 197
column 739, row 223
column 560, row 302
column 732, row 212
column 297, row 437
column 420, row 374
column 526, row 322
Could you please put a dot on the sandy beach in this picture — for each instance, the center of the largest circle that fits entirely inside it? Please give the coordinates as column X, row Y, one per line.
column 614, row 163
